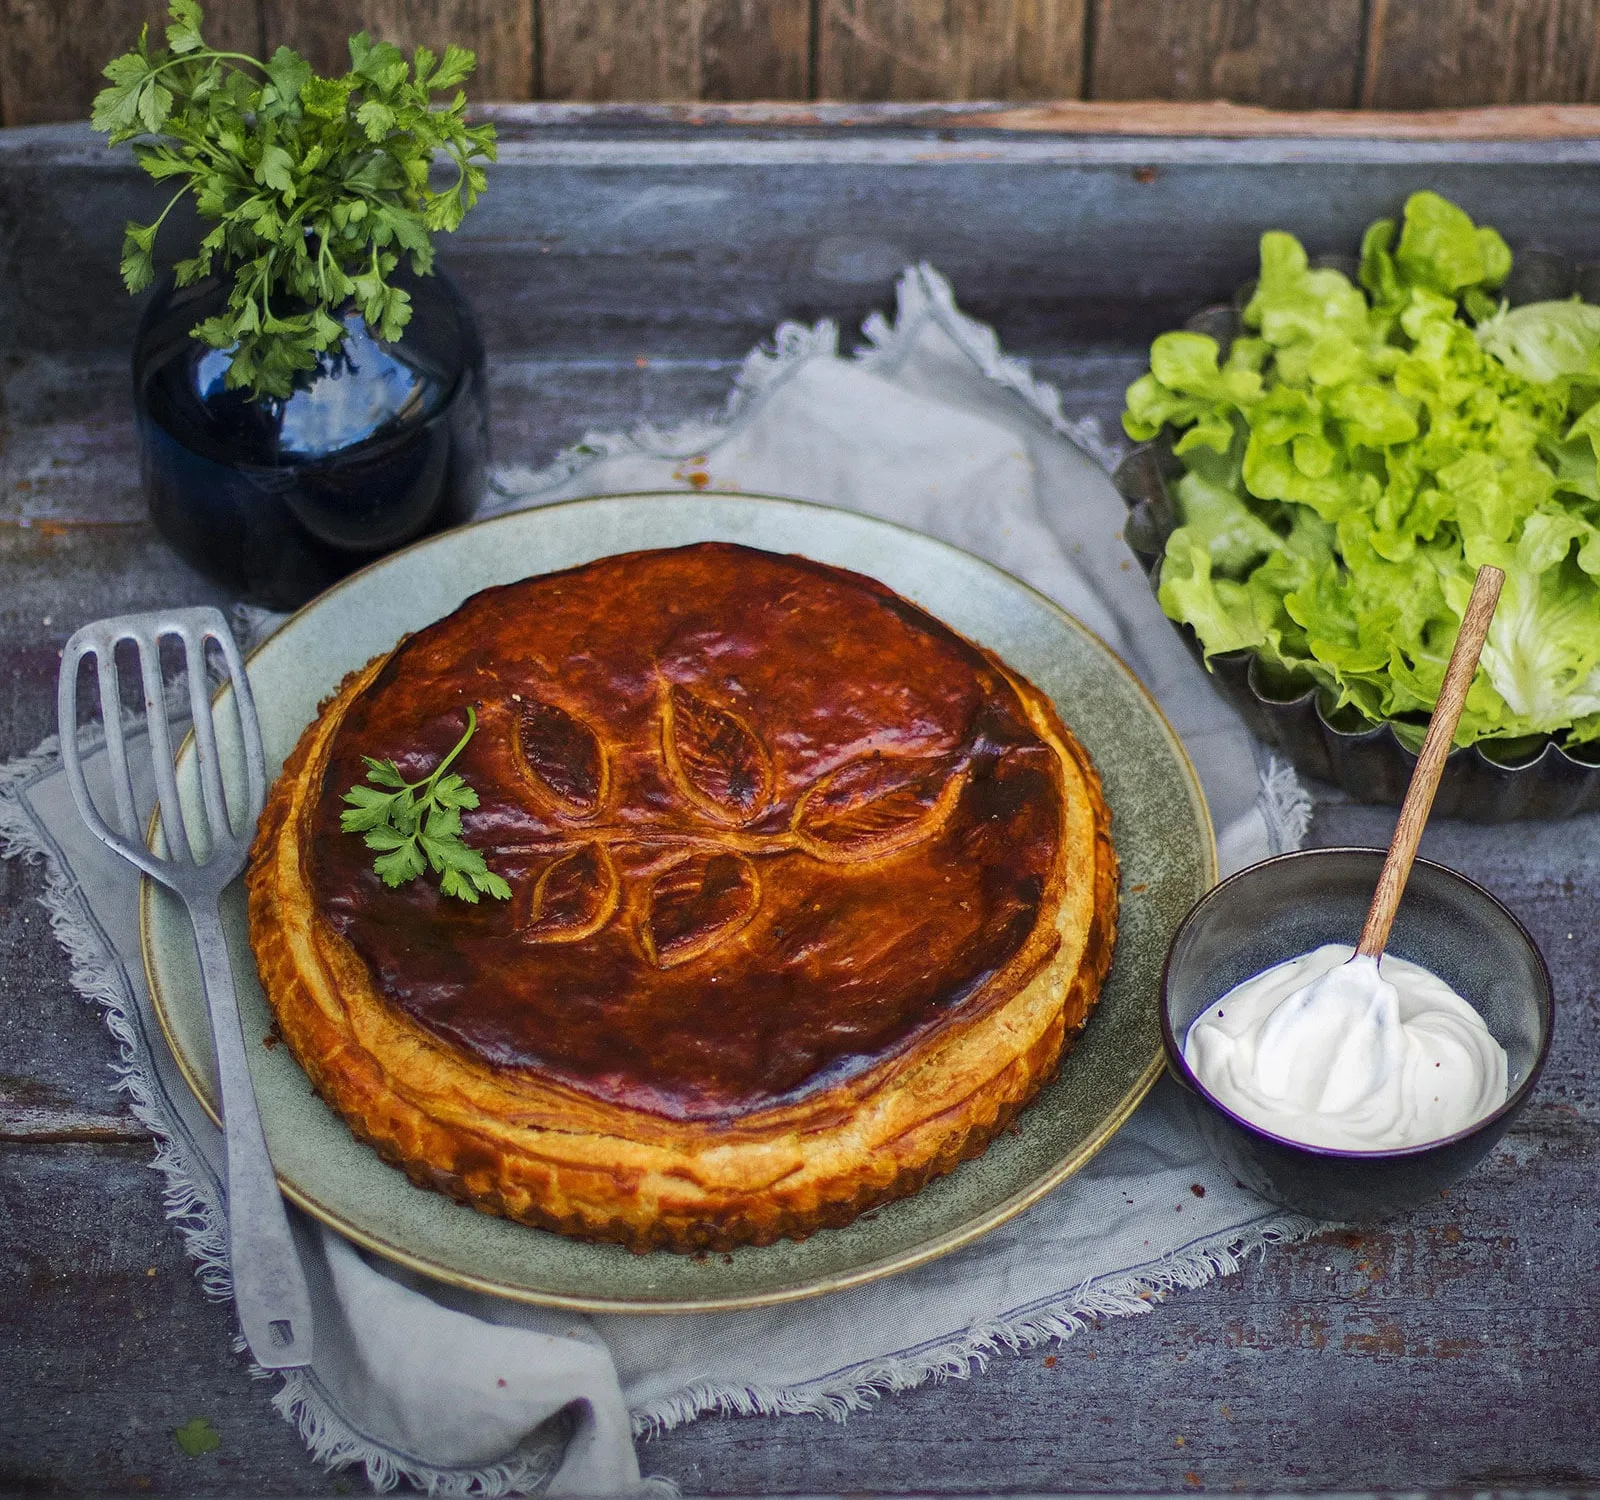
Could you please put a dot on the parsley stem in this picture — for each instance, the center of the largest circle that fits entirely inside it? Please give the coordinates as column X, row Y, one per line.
column 207, row 55
column 443, row 766
column 161, row 217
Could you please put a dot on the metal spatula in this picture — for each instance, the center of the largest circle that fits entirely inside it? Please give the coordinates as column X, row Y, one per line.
column 269, row 1285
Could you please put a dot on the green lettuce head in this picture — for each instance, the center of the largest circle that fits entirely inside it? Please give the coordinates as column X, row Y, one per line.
column 1361, row 449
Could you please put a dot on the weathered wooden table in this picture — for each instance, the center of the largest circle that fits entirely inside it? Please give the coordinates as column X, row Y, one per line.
column 622, row 263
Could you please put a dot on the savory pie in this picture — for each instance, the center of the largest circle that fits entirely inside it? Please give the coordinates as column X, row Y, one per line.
column 809, row 894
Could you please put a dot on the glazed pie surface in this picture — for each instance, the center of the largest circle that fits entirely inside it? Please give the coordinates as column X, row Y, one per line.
column 809, row 895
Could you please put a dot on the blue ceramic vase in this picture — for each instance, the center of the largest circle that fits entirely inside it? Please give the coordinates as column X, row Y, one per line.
column 276, row 499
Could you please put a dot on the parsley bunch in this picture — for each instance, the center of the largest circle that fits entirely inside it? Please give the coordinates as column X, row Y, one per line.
column 415, row 824
column 317, row 186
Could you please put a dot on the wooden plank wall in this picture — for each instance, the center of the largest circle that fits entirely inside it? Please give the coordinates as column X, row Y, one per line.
column 1327, row 54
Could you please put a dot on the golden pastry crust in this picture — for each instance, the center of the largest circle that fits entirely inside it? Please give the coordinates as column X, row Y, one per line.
column 653, row 1151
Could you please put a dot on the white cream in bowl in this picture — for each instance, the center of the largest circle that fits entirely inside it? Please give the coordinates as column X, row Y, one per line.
column 1349, row 1054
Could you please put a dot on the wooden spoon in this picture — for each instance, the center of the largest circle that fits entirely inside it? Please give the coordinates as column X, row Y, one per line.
column 1430, row 763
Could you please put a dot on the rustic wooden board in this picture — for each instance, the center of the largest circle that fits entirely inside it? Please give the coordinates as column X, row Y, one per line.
column 1274, row 52
column 109, row 1345
column 499, row 31
column 675, row 49
column 1161, row 118
column 52, row 51
column 1424, row 54
column 1453, row 1348
column 950, row 49
column 56, row 1082
column 695, row 241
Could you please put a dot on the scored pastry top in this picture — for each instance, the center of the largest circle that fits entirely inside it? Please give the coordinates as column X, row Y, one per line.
column 766, row 825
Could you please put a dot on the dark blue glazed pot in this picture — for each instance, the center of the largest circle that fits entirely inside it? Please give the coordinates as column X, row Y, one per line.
column 1286, row 906
column 277, row 499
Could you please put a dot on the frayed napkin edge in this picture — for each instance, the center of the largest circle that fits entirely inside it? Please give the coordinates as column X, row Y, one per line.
column 964, row 1354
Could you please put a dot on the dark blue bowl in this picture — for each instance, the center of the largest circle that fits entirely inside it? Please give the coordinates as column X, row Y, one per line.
column 1289, row 905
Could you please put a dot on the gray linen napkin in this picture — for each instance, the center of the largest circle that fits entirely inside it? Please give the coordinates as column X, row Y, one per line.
column 463, row 1393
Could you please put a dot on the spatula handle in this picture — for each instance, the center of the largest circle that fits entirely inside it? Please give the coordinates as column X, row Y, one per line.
column 1430, row 763
column 269, row 1286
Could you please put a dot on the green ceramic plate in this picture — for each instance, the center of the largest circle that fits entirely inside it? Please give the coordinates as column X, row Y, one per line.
column 1162, row 831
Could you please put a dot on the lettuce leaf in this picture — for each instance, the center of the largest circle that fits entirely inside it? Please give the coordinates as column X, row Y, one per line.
column 1544, row 341
column 1361, row 449
column 1442, row 249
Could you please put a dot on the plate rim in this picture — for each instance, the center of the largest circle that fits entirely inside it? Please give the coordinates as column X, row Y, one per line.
column 932, row 1249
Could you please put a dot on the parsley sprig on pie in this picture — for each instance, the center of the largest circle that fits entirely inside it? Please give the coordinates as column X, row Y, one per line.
column 417, row 824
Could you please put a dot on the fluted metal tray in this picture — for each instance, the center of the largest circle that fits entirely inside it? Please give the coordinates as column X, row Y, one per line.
column 1533, row 777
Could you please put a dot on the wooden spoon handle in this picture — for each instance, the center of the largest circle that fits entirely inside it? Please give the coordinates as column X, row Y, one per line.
column 1430, row 763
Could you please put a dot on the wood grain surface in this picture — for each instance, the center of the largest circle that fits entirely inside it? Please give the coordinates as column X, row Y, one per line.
column 1273, row 52
column 1424, row 54
column 1227, row 121
column 634, row 231
column 52, row 51
column 499, row 31
column 950, row 49
column 675, row 49
column 1391, row 54
column 1457, row 1347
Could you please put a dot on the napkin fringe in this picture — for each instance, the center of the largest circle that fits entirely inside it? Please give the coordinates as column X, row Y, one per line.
column 922, row 293
column 967, row 1353
column 334, row 1444
column 95, row 976
column 1285, row 804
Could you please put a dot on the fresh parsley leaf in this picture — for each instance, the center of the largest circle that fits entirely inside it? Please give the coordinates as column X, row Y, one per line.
column 325, row 98
column 414, row 826
column 290, row 73
column 443, row 824
column 369, row 808
column 383, row 772
column 155, row 104
column 316, row 186
column 457, row 64
column 376, row 118
column 403, row 863
column 452, row 791
column 275, row 170
column 183, row 35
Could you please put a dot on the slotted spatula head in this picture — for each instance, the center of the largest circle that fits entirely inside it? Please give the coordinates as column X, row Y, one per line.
column 228, row 825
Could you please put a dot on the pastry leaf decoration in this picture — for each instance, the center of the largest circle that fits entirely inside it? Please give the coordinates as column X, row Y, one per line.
column 715, row 758
column 873, row 806
column 564, row 757
column 679, row 874
column 697, row 904
column 416, row 825
column 575, row 896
